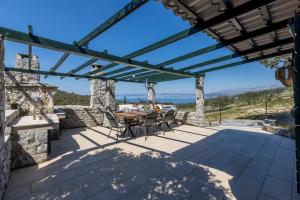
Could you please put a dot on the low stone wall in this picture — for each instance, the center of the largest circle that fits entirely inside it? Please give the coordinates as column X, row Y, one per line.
column 189, row 118
column 5, row 150
column 29, row 147
column 5, row 163
column 80, row 116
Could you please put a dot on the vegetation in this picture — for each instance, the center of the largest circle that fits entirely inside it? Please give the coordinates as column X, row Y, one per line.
column 250, row 105
column 274, row 62
column 66, row 98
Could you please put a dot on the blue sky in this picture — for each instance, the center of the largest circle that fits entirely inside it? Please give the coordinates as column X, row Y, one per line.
column 68, row 21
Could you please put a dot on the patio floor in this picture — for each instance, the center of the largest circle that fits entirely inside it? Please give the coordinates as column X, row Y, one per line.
column 189, row 163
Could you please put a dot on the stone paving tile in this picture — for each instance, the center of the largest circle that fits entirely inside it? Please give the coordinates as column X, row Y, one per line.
column 263, row 196
column 240, row 159
column 52, row 180
column 191, row 163
column 17, row 192
column 246, row 189
column 48, row 193
column 277, row 188
column 255, row 174
column 108, row 194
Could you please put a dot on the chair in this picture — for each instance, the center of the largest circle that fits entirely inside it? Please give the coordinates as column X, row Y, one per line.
column 149, row 121
column 166, row 119
column 114, row 124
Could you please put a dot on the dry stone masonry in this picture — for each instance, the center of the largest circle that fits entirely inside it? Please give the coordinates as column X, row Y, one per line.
column 23, row 90
column 103, row 97
column 199, row 115
column 151, row 94
column 29, row 147
column 80, row 116
column 5, row 147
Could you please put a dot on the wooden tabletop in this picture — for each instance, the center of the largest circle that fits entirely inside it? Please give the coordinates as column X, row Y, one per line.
column 131, row 115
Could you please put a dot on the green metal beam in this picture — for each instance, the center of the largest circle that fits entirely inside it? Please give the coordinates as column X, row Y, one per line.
column 265, row 30
column 118, row 16
column 239, row 54
column 242, row 62
column 59, row 62
column 154, row 77
column 84, row 65
column 128, row 73
column 31, row 71
column 34, row 40
column 228, row 14
column 164, row 77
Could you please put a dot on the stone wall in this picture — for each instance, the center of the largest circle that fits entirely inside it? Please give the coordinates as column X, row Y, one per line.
column 189, row 118
column 103, row 97
column 151, row 94
column 5, row 163
column 80, row 116
column 22, row 97
column 5, row 145
column 199, row 118
column 24, row 91
column 29, row 147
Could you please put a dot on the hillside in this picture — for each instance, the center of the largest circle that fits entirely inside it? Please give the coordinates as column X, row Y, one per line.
column 251, row 105
column 65, row 98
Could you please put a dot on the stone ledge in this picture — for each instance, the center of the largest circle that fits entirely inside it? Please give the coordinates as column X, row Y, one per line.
column 10, row 116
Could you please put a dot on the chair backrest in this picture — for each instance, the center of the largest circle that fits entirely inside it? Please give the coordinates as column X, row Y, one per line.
column 169, row 116
column 112, row 120
column 150, row 119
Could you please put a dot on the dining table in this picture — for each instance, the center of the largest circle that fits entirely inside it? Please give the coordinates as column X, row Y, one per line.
column 130, row 119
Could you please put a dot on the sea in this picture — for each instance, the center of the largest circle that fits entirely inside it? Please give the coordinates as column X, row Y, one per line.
column 173, row 99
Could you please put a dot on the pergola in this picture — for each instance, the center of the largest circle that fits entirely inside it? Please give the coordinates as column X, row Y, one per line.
column 252, row 29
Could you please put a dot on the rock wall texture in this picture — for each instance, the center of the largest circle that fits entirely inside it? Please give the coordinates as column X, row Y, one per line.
column 5, row 163
column 24, row 91
column 80, row 116
column 151, row 94
column 103, row 97
column 199, row 115
column 4, row 140
column 189, row 118
column 23, row 97
column 28, row 147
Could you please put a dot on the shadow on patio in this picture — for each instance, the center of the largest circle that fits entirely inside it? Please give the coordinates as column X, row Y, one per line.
column 189, row 163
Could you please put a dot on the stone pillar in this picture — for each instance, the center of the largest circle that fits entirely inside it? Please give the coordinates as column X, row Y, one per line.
column 151, row 94
column 5, row 146
column 103, row 96
column 199, row 101
column 22, row 61
column 2, row 88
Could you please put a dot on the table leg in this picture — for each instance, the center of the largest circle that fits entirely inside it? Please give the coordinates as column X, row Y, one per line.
column 124, row 131
column 131, row 132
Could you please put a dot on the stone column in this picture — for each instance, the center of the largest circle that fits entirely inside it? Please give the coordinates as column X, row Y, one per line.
column 103, row 96
column 22, row 61
column 110, row 96
column 5, row 158
column 199, row 101
column 2, row 88
column 151, row 94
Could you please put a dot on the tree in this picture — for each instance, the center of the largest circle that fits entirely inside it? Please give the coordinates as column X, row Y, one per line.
column 274, row 62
